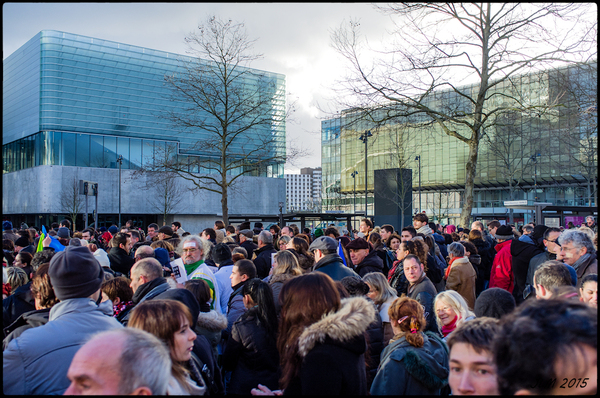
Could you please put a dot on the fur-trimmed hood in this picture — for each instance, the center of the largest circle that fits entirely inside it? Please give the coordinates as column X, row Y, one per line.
column 351, row 320
column 212, row 321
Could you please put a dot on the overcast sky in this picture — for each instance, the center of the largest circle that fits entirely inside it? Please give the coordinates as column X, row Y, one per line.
column 293, row 37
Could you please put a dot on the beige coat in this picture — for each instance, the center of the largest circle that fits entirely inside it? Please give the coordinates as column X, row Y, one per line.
column 462, row 279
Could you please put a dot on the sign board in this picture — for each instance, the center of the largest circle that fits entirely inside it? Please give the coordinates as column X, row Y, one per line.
column 515, row 203
column 552, row 222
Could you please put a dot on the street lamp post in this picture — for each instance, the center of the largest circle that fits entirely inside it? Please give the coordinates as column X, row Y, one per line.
column 120, row 161
column 354, row 174
column 534, row 159
column 418, row 158
column 364, row 137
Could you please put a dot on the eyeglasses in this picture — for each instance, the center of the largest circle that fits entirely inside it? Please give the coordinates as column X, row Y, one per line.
column 569, row 248
column 555, row 241
column 190, row 250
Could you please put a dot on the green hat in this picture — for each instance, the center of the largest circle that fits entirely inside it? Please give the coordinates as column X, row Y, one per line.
column 318, row 232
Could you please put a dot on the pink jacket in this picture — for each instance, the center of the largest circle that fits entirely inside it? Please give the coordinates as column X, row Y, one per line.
column 501, row 275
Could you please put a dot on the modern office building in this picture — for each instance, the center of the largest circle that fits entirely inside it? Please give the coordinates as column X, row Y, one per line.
column 81, row 108
column 303, row 191
column 548, row 153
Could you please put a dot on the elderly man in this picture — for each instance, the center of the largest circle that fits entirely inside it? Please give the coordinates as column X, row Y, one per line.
column 327, row 259
column 125, row 361
column 460, row 274
column 193, row 251
column 263, row 254
column 364, row 258
column 591, row 223
column 578, row 251
column 36, row 362
column 246, row 236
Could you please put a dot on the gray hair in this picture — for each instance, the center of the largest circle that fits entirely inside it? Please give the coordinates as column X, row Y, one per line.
column 456, row 249
column 149, row 267
column 143, row 360
column 240, row 249
column 589, row 218
column 528, row 228
column 578, row 238
column 380, row 283
column 202, row 244
column 265, row 237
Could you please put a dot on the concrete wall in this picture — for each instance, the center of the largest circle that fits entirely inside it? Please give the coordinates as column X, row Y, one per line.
column 38, row 191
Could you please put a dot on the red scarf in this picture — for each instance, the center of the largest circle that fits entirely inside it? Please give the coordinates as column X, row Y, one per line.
column 448, row 268
column 447, row 329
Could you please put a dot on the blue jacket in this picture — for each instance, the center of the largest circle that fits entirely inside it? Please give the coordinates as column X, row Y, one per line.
column 441, row 242
column 333, row 266
column 36, row 363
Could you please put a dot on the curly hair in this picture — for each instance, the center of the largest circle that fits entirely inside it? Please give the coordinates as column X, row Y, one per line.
column 418, row 248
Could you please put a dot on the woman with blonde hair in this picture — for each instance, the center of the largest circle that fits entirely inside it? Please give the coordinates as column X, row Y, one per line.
column 285, row 268
column 415, row 362
column 283, row 242
column 451, row 310
column 172, row 322
column 383, row 295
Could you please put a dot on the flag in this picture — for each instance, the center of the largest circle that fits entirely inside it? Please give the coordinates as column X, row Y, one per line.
column 55, row 244
column 341, row 252
column 40, row 246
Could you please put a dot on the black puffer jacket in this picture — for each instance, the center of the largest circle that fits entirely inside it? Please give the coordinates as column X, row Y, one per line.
column 375, row 346
column 251, row 354
column 263, row 260
column 120, row 261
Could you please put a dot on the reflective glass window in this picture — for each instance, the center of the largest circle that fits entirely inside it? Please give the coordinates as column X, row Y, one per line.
column 96, row 151
column 69, row 142
column 83, row 150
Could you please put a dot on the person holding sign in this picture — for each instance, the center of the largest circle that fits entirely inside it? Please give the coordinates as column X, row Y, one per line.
column 190, row 265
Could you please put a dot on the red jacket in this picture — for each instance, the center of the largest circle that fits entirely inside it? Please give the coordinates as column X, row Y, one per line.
column 501, row 275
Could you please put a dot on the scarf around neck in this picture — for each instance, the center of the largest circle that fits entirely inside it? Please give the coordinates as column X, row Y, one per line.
column 581, row 260
column 447, row 329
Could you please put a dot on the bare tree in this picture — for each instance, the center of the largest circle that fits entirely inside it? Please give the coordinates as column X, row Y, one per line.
column 237, row 111
column 437, row 46
column 165, row 193
column 71, row 201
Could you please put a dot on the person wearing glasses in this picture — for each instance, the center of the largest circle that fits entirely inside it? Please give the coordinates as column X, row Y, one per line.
column 578, row 251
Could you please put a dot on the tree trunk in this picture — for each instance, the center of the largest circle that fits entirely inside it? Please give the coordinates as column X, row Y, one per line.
column 470, row 168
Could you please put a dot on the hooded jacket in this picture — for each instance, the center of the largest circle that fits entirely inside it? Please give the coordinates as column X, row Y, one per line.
column 501, row 275
column 36, row 362
column 210, row 324
column 522, row 253
column 332, row 352
column 408, row 370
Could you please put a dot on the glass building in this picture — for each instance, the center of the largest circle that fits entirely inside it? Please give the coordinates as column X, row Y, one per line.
column 547, row 153
column 76, row 101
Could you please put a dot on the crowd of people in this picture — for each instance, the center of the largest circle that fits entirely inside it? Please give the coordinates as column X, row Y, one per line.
column 241, row 310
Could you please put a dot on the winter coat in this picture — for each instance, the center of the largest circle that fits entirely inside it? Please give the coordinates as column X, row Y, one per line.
column 210, row 324
column 235, row 306
column 18, row 303
column 26, row 321
column 486, row 254
column 36, row 362
column 590, row 266
column 388, row 332
column 202, row 271
column 371, row 263
column 276, row 288
column 251, row 354
column 461, row 279
column 120, row 261
column 398, row 280
column 501, row 275
column 224, row 284
column 375, row 344
column 441, row 243
column 263, row 260
column 147, row 291
column 535, row 263
column 424, row 292
column 522, row 253
column 332, row 265
column 332, row 351
column 408, row 370
column 250, row 248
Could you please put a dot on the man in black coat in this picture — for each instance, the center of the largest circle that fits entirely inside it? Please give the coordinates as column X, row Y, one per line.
column 421, row 289
column 246, row 242
column 119, row 257
column 522, row 253
column 327, row 259
column 262, row 262
column 364, row 258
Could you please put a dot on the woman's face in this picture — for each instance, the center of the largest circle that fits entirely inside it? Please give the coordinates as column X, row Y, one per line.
column 395, row 244
column 372, row 292
column 401, row 252
column 282, row 245
column 589, row 293
column 444, row 312
column 183, row 342
column 18, row 262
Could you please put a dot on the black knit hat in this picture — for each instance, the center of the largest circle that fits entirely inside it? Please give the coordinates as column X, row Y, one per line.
column 355, row 286
column 75, row 273
column 358, row 243
column 221, row 253
column 494, row 302
column 63, row 232
column 22, row 242
column 504, row 232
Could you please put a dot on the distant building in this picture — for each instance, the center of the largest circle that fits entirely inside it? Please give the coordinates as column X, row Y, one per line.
column 73, row 104
column 303, row 191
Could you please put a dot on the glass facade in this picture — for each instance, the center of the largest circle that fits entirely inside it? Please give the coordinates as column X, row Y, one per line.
column 78, row 101
column 547, row 153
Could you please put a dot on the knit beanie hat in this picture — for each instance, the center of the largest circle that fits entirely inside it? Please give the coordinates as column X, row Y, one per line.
column 318, row 232
column 162, row 255
column 113, row 229
column 22, row 242
column 355, row 286
column 504, row 232
column 102, row 258
column 6, row 225
column 75, row 273
column 221, row 253
column 494, row 302
column 63, row 232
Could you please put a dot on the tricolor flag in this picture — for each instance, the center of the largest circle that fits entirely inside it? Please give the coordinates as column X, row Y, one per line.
column 55, row 244
column 341, row 252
